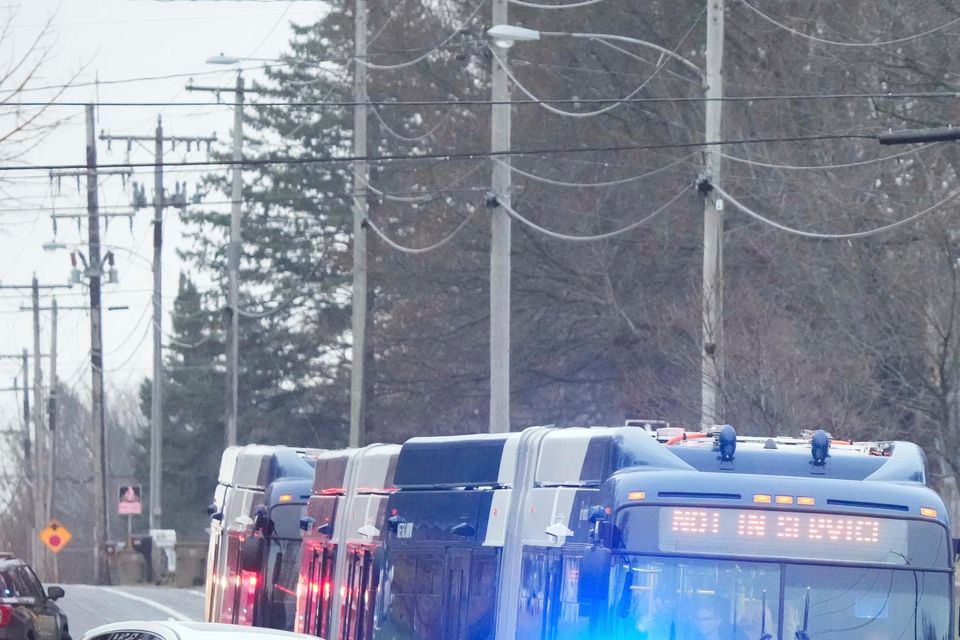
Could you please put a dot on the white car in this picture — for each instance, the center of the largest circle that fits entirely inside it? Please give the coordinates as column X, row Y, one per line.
column 171, row 630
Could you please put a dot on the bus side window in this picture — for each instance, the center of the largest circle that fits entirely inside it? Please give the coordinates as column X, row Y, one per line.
column 416, row 600
column 530, row 608
column 483, row 595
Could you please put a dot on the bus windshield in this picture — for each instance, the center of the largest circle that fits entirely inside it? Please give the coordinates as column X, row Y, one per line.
column 705, row 573
column 682, row 598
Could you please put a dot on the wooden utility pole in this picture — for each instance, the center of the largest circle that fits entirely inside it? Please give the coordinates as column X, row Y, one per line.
column 711, row 409
column 96, row 360
column 361, row 176
column 53, row 564
column 39, row 439
column 160, row 201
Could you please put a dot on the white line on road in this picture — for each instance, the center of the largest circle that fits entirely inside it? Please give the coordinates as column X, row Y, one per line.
column 173, row 613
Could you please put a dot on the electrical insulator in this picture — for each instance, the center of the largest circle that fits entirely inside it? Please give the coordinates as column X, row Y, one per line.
column 75, row 275
column 112, row 277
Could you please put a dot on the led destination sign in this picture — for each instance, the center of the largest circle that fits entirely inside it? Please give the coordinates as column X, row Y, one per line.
column 781, row 534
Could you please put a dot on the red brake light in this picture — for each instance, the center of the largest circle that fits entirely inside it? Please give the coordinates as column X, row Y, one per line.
column 6, row 614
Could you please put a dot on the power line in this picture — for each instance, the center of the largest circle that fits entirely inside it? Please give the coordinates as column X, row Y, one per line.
column 602, row 236
column 876, row 95
column 419, row 251
column 449, row 156
column 420, row 58
column 842, row 43
column 607, row 183
column 571, row 5
column 835, row 236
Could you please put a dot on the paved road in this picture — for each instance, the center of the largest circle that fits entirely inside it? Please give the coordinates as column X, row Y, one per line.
column 88, row 606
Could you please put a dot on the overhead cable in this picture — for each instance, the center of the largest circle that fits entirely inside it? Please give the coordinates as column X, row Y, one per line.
column 400, row 136
column 420, row 58
column 571, row 5
column 820, row 167
column 427, row 197
column 664, row 55
column 602, row 236
column 418, row 251
column 608, row 183
column 465, row 155
column 888, row 95
column 835, row 236
column 842, row 43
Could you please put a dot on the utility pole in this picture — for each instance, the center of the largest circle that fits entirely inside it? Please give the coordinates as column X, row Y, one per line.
column 500, row 240
column 27, row 453
column 39, row 437
column 712, row 346
column 96, row 358
column 233, row 260
column 361, row 175
column 54, row 563
column 34, row 456
column 160, row 201
column 156, row 399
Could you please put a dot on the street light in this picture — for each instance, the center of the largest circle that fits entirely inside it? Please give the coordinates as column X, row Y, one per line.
column 235, row 242
column 233, row 252
column 504, row 36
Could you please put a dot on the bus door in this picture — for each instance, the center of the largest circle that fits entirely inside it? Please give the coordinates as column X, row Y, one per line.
column 308, row 590
column 456, row 587
column 363, row 577
column 229, row 588
column 317, row 568
column 550, row 607
column 212, row 584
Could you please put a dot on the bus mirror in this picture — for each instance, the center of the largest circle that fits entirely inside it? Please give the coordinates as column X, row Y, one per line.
column 261, row 519
column 594, row 574
column 250, row 554
column 601, row 532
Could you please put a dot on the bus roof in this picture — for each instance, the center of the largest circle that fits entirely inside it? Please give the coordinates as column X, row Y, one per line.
column 331, row 472
column 876, row 461
column 259, row 465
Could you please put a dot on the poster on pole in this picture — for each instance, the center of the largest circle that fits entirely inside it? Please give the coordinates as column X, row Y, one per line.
column 128, row 500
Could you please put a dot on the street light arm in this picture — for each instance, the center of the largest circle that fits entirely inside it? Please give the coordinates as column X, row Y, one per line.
column 642, row 43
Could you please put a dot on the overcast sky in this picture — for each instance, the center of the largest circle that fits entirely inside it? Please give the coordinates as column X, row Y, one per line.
column 115, row 40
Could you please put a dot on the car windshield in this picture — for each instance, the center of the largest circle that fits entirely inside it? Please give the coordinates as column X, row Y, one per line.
column 682, row 598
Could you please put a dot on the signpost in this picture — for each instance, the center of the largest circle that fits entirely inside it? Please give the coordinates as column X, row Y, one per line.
column 130, row 503
column 55, row 536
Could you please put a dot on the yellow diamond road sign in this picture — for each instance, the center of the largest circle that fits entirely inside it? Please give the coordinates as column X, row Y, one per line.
column 55, row 536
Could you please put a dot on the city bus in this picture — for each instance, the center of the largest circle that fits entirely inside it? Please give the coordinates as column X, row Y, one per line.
column 343, row 533
column 245, row 475
column 615, row 533
column 721, row 536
